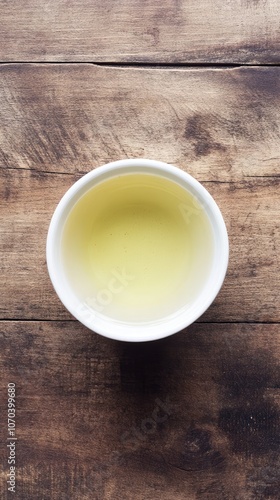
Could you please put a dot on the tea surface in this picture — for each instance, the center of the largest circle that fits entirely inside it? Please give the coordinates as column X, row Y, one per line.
column 137, row 247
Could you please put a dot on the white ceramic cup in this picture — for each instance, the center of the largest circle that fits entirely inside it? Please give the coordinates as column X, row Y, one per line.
column 141, row 330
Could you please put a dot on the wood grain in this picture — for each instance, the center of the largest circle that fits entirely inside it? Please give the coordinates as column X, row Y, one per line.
column 196, row 415
column 181, row 31
column 220, row 125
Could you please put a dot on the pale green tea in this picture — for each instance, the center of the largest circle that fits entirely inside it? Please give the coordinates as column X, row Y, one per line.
column 137, row 247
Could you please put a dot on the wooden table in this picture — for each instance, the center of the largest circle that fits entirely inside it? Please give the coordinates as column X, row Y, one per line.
column 196, row 84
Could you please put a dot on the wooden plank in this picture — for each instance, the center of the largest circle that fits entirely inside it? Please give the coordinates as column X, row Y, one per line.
column 167, row 32
column 216, row 124
column 220, row 125
column 193, row 416
column 251, row 211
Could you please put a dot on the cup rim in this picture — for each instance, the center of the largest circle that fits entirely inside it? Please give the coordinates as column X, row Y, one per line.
column 116, row 329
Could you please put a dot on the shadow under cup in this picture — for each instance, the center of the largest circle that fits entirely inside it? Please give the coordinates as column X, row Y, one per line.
column 137, row 250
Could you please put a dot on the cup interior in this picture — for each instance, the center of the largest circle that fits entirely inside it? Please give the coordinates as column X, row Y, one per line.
column 137, row 250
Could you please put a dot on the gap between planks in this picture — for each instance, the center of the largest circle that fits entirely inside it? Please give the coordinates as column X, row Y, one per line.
column 75, row 174
column 34, row 320
column 146, row 65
